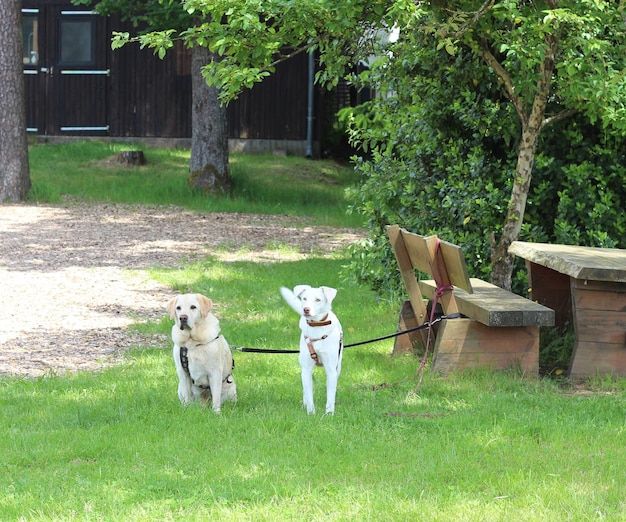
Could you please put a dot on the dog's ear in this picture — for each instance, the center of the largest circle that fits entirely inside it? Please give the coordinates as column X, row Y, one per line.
column 298, row 290
column 329, row 292
column 171, row 308
column 205, row 305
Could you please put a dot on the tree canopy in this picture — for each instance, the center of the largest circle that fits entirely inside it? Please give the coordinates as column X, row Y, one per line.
column 552, row 63
column 251, row 37
column 521, row 67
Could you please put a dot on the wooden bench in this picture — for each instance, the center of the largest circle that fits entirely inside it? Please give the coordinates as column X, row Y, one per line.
column 496, row 329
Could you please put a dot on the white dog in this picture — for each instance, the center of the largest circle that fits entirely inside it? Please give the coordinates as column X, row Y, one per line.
column 203, row 359
column 321, row 342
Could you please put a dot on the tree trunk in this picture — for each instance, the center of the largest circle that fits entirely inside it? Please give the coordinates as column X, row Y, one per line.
column 208, row 167
column 501, row 260
column 14, row 169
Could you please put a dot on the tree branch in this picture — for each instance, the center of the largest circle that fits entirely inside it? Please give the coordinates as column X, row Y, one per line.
column 544, row 82
column 283, row 57
column 487, row 4
column 496, row 66
column 558, row 117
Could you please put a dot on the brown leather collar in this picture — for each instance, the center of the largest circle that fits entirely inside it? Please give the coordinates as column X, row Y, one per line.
column 323, row 322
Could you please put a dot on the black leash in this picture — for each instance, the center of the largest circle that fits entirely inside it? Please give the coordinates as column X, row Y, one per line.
column 397, row 334
column 261, row 350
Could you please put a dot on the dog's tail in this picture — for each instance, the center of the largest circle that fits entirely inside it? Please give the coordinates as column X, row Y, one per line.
column 291, row 299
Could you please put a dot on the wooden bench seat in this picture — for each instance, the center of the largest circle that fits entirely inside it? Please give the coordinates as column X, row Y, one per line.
column 493, row 306
column 498, row 329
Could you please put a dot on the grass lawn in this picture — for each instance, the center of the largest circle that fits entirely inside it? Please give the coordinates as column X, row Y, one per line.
column 116, row 445
column 264, row 184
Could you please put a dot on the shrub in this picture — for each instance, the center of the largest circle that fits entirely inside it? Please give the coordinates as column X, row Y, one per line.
column 441, row 154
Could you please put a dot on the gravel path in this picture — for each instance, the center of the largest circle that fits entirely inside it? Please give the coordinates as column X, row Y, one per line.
column 72, row 277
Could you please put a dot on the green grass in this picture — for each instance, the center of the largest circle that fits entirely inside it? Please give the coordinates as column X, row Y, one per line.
column 264, row 184
column 116, row 445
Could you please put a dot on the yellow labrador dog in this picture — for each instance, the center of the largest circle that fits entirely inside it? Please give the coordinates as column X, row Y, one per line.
column 321, row 339
column 204, row 362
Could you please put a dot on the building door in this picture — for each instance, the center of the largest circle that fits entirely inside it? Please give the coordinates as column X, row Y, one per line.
column 65, row 71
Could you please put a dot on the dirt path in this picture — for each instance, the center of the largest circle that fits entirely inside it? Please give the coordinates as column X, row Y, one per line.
column 72, row 277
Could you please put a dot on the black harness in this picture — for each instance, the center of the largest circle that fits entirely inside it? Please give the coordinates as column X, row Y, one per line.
column 184, row 361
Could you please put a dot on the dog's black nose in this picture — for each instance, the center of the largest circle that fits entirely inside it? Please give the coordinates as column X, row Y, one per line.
column 183, row 322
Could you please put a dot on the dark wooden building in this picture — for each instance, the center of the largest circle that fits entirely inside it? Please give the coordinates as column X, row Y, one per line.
column 77, row 86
